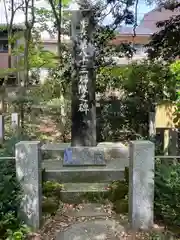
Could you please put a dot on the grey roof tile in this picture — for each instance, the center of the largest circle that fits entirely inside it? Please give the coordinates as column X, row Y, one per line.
column 159, row 14
column 139, row 30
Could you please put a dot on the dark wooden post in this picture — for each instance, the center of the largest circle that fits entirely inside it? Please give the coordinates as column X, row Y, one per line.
column 83, row 131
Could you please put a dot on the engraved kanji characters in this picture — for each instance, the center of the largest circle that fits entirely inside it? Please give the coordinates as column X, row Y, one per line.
column 83, row 90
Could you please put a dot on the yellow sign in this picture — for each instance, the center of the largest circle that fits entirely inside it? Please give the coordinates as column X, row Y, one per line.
column 165, row 115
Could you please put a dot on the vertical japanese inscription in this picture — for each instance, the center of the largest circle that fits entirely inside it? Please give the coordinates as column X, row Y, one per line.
column 84, row 54
column 83, row 91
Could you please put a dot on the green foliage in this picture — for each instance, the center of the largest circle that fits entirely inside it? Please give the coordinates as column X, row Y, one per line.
column 38, row 57
column 95, row 197
column 118, row 193
column 50, row 205
column 167, row 193
column 10, row 194
column 121, row 206
column 52, row 197
column 164, row 43
column 175, row 69
column 140, row 86
column 20, row 234
column 52, row 189
column 118, row 190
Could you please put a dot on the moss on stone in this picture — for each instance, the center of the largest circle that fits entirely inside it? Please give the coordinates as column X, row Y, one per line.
column 121, row 206
column 118, row 190
column 94, row 197
column 49, row 205
column 52, row 189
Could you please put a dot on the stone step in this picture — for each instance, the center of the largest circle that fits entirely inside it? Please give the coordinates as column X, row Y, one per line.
column 77, row 192
column 93, row 229
column 55, row 164
column 87, row 210
column 82, row 174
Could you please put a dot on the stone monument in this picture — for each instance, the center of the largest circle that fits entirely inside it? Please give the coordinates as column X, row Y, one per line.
column 83, row 131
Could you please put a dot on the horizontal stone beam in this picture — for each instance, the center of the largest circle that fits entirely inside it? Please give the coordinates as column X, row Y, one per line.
column 81, row 156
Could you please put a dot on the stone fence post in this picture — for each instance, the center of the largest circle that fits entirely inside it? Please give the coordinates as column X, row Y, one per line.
column 29, row 175
column 141, row 185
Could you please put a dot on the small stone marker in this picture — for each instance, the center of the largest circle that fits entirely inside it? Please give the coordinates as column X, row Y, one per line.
column 1, row 128
column 141, row 184
column 84, row 156
column 28, row 172
column 14, row 120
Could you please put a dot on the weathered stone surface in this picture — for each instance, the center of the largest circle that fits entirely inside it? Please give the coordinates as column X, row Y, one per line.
column 1, row 128
column 28, row 170
column 141, row 184
column 92, row 230
column 87, row 210
column 55, row 146
column 14, row 120
column 75, row 192
column 84, row 156
column 114, row 150
column 83, row 174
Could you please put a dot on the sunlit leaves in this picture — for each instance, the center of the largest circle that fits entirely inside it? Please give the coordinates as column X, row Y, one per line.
column 175, row 69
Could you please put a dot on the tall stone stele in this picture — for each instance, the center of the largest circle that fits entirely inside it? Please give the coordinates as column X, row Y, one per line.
column 83, row 79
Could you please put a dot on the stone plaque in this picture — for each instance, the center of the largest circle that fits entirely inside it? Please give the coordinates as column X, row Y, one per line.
column 84, row 156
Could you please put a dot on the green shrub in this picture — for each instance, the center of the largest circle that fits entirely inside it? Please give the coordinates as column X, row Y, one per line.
column 120, row 206
column 118, row 190
column 52, row 197
column 52, row 189
column 50, row 205
column 167, row 193
column 9, row 194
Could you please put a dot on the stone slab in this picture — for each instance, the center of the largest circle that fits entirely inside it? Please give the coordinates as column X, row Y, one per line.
column 57, row 164
column 114, row 150
column 82, row 174
column 92, row 230
column 75, row 192
column 87, row 210
column 29, row 175
column 141, row 184
column 81, row 156
column 55, row 146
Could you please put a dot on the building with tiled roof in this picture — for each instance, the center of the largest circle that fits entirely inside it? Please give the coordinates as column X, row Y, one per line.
column 143, row 32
